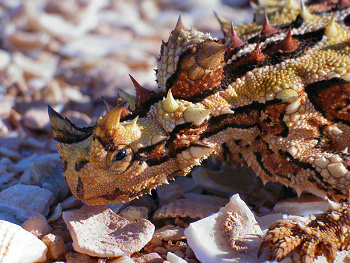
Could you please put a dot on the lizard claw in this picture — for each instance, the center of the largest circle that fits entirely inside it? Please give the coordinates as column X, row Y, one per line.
column 324, row 235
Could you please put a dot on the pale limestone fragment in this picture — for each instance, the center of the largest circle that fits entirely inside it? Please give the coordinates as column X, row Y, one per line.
column 134, row 213
column 170, row 232
column 23, row 201
column 19, row 246
column 97, row 231
column 56, row 246
column 37, row 225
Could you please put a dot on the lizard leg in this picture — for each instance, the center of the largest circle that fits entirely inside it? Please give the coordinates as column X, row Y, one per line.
column 324, row 235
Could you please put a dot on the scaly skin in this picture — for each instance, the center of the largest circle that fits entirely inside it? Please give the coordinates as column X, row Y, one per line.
column 274, row 96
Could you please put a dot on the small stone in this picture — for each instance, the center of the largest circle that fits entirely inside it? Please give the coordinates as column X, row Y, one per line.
column 37, row 119
column 150, row 257
column 37, row 225
column 173, row 258
column 70, row 202
column 46, row 172
column 7, row 170
column 122, row 259
column 56, row 247
column 97, row 231
column 19, row 246
column 170, row 232
column 72, row 257
column 187, row 184
column 78, row 118
column 168, row 193
column 24, row 201
column 134, row 213
column 10, row 218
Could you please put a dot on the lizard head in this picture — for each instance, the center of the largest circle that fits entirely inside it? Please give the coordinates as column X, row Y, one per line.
column 124, row 156
column 110, row 162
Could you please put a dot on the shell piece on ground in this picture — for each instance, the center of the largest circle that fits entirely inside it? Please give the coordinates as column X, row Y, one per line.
column 170, row 232
column 24, row 201
column 231, row 235
column 185, row 208
column 19, row 246
column 98, row 231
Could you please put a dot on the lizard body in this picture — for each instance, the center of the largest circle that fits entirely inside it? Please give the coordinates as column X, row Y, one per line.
column 273, row 95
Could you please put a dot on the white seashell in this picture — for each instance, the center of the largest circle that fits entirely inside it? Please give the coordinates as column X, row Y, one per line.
column 210, row 242
column 19, row 246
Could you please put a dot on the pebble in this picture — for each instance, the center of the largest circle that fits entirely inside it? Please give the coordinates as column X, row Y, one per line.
column 97, row 231
column 56, row 246
column 168, row 193
column 173, row 258
column 134, row 213
column 72, row 257
column 24, row 201
column 19, row 246
column 10, row 218
column 7, row 170
column 37, row 119
column 37, row 225
column 170, row 232
column 46, row 172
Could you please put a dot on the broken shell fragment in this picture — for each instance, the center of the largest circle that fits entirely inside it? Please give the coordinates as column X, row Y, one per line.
column 212, row 238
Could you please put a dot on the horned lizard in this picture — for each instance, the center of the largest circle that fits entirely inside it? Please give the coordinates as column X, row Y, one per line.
column 274, row 95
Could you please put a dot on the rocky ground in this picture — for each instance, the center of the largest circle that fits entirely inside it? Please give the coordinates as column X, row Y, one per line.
column 67, row 54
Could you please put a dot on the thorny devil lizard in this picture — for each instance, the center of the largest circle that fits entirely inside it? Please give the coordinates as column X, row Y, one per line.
column 273, row 95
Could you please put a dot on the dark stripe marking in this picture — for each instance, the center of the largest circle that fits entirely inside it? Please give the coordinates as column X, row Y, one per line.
column 64, row 165
column 80, row 189
column 258, row 158
column 80, row 164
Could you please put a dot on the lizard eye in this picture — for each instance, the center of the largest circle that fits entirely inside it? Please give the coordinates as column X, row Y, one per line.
column 120, row 155
column 119, row 159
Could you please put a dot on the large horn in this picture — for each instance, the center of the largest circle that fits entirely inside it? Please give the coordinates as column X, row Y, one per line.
column 65, row 131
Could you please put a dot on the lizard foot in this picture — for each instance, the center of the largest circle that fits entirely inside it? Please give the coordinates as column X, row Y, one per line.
column 324, row 235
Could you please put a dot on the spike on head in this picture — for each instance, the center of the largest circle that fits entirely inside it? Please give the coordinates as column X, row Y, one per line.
column 132, row 124
column 331, row 29
column 108, row 106
column 257, row 54
column 128, row 97
column 267, row 29
column 142, row 94
column 112, row 119
column 179, row 26
column 235, row 40
column 169, row 103
column 210, row 54
column 65, row 131
column 304, row 12
column 289, row 44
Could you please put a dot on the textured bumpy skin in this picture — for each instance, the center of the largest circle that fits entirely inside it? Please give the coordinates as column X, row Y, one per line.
column 273, row 95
